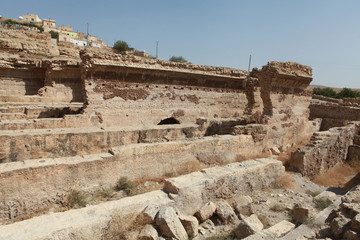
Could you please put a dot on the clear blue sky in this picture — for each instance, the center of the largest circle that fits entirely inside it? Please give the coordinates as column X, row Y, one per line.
column 324, row 34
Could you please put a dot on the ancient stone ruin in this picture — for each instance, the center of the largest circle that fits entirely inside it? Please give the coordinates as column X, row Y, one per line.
column 210, row 138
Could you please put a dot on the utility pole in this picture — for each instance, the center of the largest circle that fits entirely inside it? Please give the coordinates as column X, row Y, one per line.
column 157, row 49
column 87, row 36
column 249, row 63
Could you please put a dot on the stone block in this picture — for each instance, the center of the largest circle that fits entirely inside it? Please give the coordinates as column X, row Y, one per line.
column 226, row 213
column 170, row 225
column 243, row 205
column 355, row 223
column 300, row 213
column 275, row 151
column 190, row 224
column 351, row 235
column 339, row 225
column 326, row 194
column 278, row 230
column 357, row 140
column 206, row 211
column 148, row 215
column 248, row 226
column 148, row 233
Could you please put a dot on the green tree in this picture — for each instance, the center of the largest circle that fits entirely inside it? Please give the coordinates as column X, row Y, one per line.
column 327, row 92
column 178, row 59
column 121, row 46
column 54, row 34
column 348, row 93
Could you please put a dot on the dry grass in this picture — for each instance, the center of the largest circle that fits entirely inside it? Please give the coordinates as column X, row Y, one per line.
column 337, row 176
column 286, row 181
column 121, row 227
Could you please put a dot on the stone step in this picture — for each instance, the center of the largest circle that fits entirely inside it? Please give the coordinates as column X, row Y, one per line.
column 68, row 121
column 12, row 109
column 30, row 98
column 12, row 116
column 18, row 145
column 39, row 104
column 45, row 182
column 14, row 112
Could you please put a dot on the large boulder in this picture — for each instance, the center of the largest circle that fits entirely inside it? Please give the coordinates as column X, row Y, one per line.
column 170, row 225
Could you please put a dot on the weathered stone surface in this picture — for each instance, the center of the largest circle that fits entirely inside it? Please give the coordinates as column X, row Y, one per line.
column 220, row 182
column 326, row 194
column 355, row 223
column 275, row 151
column 273, row 232
column 300, row 214
column 243, row 205
column 148, row 233
column 326, row 149
column 148, row 214
column 279, row 229
column 226, row 213
column 248, row 226
column 338, row 226
column 351, row 235
column 169, row 224
column 207, row 227
column 190, row 224
column 206, row 211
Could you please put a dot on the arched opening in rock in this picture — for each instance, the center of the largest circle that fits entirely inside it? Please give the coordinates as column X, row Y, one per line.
column 167, row 121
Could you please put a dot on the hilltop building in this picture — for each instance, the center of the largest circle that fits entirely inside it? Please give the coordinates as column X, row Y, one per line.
column 31, row 18
column 66, row 33
column 49, row 25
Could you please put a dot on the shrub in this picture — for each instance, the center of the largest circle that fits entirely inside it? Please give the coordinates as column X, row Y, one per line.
column 124, row 184
column 312, row 193
column 170, row 174
column 348, row 93
column 178, row 59
column 76, row 199
column 278, row 208
column 11, row 22
column 329, row 92
column 322, row 203
column 286, row 181
column 121, row 46
column 54, row 34
column 106, row 192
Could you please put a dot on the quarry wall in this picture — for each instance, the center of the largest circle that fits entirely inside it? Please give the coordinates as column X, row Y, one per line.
column 207, row 116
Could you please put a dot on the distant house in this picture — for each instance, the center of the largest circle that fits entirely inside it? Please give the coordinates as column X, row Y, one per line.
column 49, row 25
column 31, row 18
column 65, row 28
column 79, row 42
column 139, row 53
column 66, row 33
